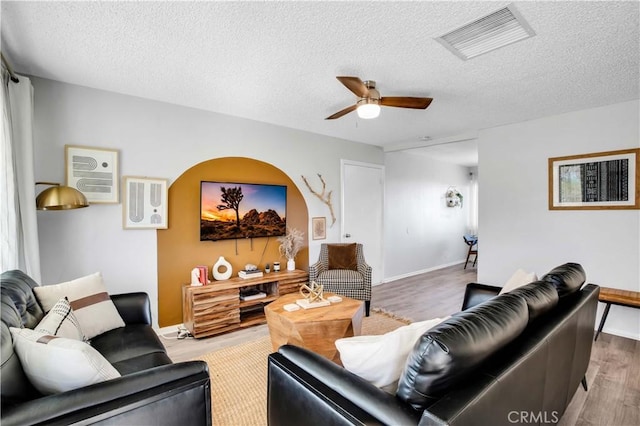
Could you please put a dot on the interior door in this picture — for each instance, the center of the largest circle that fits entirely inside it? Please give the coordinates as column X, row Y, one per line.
column 362, row 211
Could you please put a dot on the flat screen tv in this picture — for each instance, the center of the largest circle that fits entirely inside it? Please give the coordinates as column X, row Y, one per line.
column 231, row 210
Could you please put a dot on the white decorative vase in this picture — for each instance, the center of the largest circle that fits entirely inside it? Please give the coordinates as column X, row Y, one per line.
column 216, row 269
column 291, row 265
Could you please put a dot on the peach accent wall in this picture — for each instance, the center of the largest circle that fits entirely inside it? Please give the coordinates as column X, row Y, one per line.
column 180, row 248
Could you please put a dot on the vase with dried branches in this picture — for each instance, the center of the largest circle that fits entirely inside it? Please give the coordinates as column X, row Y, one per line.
column 290, row 245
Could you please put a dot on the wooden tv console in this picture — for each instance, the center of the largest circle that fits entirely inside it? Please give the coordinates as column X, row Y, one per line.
column 216, row 308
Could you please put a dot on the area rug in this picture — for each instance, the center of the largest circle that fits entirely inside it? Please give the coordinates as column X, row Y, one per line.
column 239, row 374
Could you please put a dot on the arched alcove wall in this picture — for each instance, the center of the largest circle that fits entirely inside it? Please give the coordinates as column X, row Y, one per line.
column 180, row 248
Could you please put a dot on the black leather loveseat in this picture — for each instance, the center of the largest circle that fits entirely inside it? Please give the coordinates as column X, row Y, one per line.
column 151, row 391
column 515, row 358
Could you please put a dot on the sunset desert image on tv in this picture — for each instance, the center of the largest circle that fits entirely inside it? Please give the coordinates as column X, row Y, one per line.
column 241, row 210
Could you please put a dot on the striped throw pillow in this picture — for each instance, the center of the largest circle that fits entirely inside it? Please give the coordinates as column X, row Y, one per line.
column 89, row 300
column 56, row 364
column 61, row 322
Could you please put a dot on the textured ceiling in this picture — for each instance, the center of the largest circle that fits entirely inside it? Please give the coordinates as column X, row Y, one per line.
column 276, row 62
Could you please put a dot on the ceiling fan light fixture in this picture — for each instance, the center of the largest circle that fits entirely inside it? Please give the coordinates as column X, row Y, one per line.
column 369, row 100
column 368, row 108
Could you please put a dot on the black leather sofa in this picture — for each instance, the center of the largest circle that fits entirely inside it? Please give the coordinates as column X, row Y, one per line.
column 515, row 358
column 151, row 391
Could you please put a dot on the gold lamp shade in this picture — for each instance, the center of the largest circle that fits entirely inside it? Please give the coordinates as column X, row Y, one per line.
column 60, row 197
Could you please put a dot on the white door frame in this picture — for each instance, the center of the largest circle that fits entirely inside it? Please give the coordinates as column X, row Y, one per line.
column 344, row 163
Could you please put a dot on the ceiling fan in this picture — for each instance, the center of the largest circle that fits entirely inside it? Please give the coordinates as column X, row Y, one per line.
column 369, row 99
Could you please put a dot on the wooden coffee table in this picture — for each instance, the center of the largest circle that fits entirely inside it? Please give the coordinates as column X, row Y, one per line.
column 316, row 329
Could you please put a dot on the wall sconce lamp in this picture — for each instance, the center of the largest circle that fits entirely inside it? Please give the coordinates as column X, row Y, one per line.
column 60, row 197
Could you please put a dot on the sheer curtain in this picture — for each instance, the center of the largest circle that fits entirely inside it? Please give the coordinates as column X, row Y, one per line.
column 19, row 227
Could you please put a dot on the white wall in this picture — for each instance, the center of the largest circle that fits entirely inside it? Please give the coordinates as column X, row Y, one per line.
column 157, row 140
column 421, row 233
column 517, row 230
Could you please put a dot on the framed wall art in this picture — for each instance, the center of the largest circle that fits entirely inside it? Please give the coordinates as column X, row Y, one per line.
column 94, row 172
column 602, row 180
column 145, row 204
column 319, row 228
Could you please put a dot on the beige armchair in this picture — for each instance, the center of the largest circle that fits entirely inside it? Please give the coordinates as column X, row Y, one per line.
column 342, row 269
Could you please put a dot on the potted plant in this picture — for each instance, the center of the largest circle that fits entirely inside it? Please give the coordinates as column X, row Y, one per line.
column 454, row 197
column 290, row 245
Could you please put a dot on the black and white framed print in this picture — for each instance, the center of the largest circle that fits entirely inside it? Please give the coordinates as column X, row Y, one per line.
column 602, row 180
column 94, row 172
column 145, row 204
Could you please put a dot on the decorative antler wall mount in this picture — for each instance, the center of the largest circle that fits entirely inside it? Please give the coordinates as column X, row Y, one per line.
column 324, row 196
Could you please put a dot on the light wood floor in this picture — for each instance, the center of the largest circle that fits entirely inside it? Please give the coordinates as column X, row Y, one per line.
column 613, row 375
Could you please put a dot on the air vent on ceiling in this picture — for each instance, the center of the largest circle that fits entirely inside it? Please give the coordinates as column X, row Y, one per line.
column 491, row 32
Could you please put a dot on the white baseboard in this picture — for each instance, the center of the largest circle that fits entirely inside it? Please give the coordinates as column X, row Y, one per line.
column 620, row 333
column 168, row 329
column 422, row 271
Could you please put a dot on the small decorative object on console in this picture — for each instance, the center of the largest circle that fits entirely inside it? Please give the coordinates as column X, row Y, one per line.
column 195, row 277
column 204, row 274
column 250, row 271
column 290, row 245
column 250, row 274
column 216, row 269
column 276, row 266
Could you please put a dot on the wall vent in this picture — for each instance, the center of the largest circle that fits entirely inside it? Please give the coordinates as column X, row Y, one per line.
column 491, row 32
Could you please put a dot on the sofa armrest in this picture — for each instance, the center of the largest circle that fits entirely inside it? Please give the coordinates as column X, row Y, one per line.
column 476, row 293
column 175, row 394
column 306, row 388
column 134, row 308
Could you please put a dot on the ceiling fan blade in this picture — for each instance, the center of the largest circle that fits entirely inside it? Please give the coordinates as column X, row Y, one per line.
column 405, row 102
column 355, row 85
column 340, row 113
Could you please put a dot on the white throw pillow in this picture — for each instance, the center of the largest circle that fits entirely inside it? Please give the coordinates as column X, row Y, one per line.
column 90, row 301
column 56, row 364
column 380, row 359
column 518, row 279
column 61, row 322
